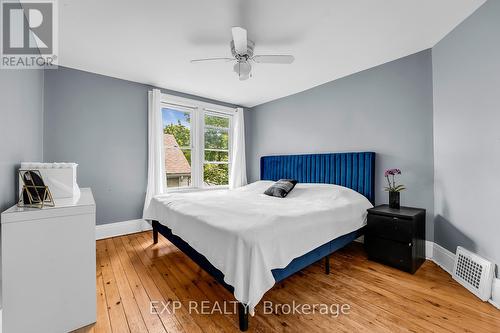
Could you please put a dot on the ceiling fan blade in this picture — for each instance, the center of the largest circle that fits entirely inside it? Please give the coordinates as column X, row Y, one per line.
column 212, row 59
column 273, row 59
column 240, row 40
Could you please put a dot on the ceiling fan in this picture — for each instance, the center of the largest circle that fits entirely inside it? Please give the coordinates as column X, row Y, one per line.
column 242, row 51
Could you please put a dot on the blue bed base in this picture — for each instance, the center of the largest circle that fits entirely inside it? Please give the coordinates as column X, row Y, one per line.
column 352, row 170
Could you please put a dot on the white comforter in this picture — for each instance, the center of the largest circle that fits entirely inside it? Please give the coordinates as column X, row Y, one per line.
column 245, row 234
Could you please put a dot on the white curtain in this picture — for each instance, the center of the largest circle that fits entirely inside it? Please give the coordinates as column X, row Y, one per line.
column 156, row 168
column 238, row 172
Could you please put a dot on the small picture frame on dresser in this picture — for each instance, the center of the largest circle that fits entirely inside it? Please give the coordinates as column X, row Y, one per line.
column 34, row 193
column 396, row 237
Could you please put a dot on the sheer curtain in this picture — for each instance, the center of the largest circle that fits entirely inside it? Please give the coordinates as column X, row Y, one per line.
column 238, row 172
column 156, row 168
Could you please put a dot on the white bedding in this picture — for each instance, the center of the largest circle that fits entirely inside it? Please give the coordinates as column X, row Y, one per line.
column 245, row 234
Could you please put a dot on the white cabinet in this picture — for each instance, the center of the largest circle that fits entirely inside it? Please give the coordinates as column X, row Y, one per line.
column 48, row 266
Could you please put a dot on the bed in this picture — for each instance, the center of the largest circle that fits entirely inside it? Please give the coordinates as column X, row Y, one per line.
column 249, row 241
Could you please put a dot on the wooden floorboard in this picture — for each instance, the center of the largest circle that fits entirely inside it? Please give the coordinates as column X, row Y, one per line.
column 132, row 272
column 118, row 319
column 103, row 324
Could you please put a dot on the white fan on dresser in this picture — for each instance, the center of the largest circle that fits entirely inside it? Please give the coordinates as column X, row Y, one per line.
column 242, row 51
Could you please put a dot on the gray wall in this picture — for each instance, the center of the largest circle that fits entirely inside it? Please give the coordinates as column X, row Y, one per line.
column 21, row 113
column 386, row 109
column 100, row 123
column 466, row 70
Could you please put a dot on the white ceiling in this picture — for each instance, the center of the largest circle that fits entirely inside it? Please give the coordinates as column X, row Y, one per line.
column 152, row 41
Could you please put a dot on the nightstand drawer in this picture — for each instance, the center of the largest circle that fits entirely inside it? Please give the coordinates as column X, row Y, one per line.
column 393, row 228
column 395, row 254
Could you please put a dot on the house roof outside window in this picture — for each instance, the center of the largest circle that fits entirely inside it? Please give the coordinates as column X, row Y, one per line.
column 175, row 161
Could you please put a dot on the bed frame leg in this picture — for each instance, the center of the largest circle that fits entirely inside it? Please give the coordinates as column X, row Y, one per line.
column 243, row 316
column 155, row 233
column 327, row 264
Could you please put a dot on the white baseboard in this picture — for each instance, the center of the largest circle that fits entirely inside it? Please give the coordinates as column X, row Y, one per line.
column 492, row 302
column 121, row 228
column 443, row 258
column 360, row 239
column 495, row 293
column 429, row 249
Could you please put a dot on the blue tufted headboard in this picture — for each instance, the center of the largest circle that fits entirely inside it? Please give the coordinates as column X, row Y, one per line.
column 352, row 170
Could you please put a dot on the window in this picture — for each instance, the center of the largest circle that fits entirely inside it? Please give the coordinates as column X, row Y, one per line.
column 216, row 165
column 177, row 145
column 197, row 143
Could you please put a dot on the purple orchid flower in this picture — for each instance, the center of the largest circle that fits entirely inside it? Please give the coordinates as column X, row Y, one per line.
column 392, row 187
column 392, row 172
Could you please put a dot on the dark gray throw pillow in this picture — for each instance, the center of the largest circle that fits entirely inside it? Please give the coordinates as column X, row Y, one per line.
column 281, row 188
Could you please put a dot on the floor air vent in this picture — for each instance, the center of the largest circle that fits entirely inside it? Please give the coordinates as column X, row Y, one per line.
column 473, row 272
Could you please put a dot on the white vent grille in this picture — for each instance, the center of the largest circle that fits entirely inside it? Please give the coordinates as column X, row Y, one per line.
column 473, row 272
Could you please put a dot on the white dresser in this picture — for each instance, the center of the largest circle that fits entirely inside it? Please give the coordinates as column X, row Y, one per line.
column 48, row 266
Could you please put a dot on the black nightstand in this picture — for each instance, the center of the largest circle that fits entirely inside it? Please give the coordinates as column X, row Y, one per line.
column 396, row 237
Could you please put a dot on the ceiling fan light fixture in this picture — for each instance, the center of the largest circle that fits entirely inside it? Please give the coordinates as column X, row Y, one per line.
column 243, row 69
column 244, row 77
column 242, row 51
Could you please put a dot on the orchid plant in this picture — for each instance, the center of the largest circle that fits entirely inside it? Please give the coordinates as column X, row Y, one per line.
column 392, row 186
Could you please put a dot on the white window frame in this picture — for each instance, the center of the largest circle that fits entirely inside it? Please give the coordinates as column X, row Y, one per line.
column 229, row 142
column 198, row 110
column 191, row 111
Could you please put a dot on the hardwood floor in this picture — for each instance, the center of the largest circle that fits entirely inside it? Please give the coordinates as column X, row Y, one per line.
column 131, row 272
